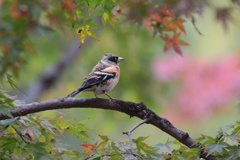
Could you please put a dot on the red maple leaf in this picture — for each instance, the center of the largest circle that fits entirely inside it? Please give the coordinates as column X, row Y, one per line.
column 173, row 42
column 89, row 148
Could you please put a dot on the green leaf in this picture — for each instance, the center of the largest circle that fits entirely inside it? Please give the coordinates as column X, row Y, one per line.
column 7, row 122
column 104, row 142
column 62, row 125
column 116, row 157
column 162, row 148
column 84, row 136
column 224, row 128
column 234, row 137
column 5, row 110
column 91, row 33
column 143, row 146
column 93, row 25
column 104, row 138
column 209, row 140
column 11, row 81
column 114, row 147
column 39, row 150
column 194, row 158
column 82, row 122
column 140, row 139
column 106, row 16
column 216, row 148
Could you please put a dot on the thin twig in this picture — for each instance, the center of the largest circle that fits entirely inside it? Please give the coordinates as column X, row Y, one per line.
column 20, row 134
column 137, row 125
column 130, row 141
column 130, row 136
column 195, row 26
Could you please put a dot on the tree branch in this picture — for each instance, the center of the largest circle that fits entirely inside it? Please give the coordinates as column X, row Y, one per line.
column 133, row 109
column 51, row 74
column 130, row 136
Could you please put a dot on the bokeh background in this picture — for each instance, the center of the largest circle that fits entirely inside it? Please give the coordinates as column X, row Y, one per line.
column 198, row 91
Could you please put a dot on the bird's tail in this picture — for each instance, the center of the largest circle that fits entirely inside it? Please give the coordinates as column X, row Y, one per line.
column 74, row 93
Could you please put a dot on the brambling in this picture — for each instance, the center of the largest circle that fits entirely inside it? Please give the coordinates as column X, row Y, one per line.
column 103, row 77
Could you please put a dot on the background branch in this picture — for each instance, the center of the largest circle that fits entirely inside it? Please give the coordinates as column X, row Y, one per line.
column 133, row 109
column 51, row 74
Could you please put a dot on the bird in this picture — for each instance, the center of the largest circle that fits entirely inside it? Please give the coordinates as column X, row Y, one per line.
column 103, row 77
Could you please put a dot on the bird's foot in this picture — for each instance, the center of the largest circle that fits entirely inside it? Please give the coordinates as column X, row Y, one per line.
column 111, row 98
column 96, row 95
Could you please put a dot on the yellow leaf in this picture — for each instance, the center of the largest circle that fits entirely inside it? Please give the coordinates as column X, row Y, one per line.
column 74, row 18
column 82, row 38
column 79, row 31
column 42, row 139
column 78, row 12
column 91, row 33
column 105, row 16
column 12, row 130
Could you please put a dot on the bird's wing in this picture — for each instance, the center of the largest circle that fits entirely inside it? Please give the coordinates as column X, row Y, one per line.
column 96, row 78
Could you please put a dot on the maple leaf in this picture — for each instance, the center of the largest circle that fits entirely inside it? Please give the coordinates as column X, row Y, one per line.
column 89, row 148
column 176, row 48
column 173, row 42
column 179, row 23
column 166, row 11
column 69, row 5
column 169, row 24
column 83, row 31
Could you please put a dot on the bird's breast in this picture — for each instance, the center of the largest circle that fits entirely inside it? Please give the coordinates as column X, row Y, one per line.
column 109, row 84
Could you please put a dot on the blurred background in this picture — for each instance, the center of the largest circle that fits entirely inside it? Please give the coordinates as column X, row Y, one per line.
column 198, row 91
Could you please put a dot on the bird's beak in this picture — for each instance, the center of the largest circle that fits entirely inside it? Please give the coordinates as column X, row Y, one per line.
column 120, row 59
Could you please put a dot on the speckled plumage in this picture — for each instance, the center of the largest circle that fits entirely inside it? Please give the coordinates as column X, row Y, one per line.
column 103, row 77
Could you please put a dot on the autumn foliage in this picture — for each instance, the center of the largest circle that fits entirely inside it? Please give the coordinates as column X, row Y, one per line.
column 200, row 88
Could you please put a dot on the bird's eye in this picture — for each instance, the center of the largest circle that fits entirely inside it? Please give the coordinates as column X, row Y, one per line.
column 113, row 59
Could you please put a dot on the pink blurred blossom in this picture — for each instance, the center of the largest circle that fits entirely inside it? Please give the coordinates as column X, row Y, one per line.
column 203, row 86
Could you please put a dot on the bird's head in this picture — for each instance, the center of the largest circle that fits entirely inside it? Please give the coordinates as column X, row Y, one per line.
column 111, row 59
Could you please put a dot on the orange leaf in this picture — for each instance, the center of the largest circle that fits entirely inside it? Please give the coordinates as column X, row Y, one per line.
column 179, row 23
column 176, row 36
column 181, row 42
column 168, row 22
column 86, row 145
column 89, row 148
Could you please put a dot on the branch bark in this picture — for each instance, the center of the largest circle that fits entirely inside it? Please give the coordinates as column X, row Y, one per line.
column 132, row 109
